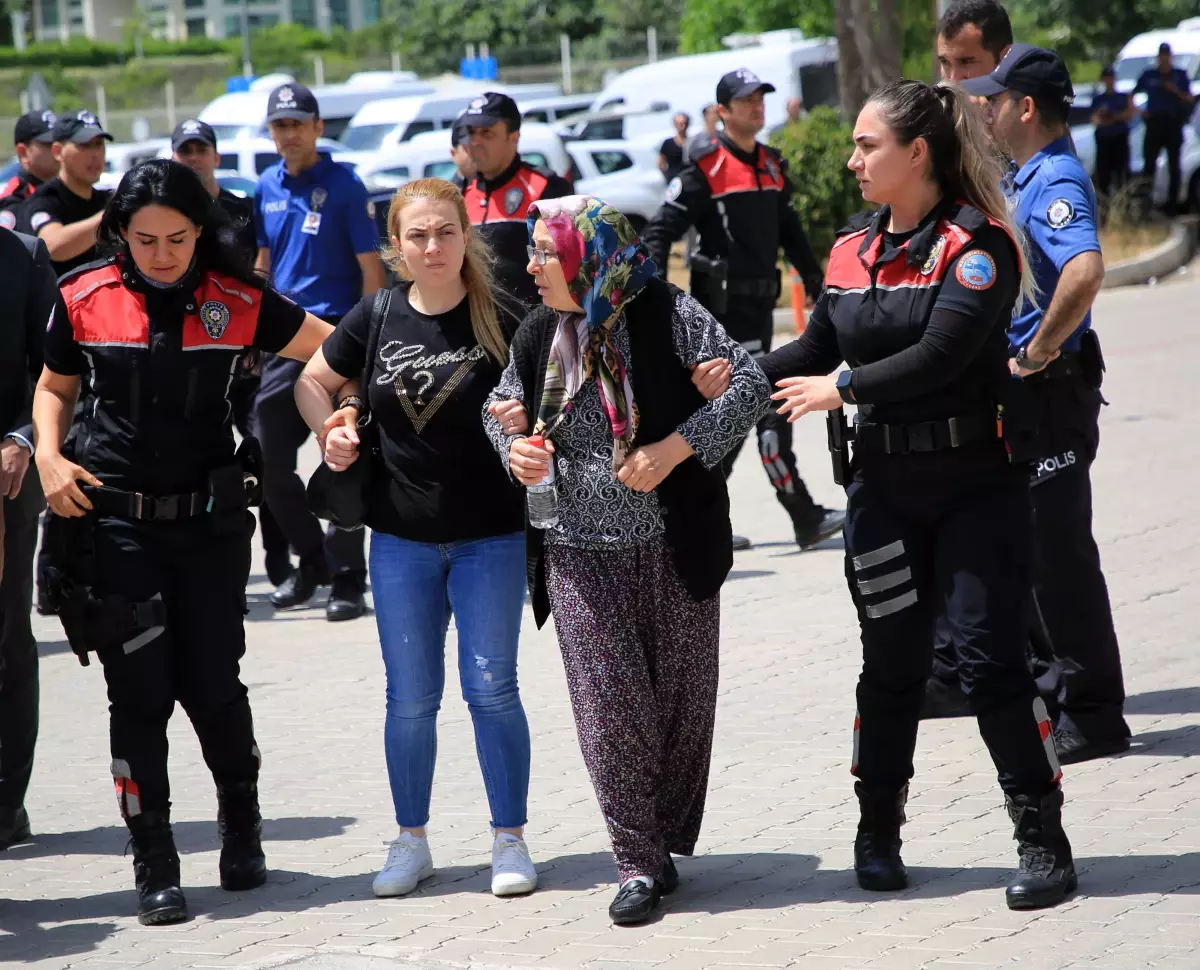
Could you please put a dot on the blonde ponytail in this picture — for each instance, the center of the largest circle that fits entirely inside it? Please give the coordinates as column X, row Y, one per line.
column 477, row 262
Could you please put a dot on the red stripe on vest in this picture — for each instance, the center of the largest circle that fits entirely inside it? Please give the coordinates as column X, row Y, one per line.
column 727, row 174
column 496, row 205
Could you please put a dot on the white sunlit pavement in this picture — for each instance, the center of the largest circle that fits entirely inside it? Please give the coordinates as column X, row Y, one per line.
column 771, row 884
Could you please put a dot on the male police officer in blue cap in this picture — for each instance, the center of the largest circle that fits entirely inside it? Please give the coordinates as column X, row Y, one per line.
column 1058, row 354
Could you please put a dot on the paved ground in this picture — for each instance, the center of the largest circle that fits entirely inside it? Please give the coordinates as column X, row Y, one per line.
column 771, row 885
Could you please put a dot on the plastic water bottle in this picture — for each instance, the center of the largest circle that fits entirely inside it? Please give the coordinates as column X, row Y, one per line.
column 542, row 498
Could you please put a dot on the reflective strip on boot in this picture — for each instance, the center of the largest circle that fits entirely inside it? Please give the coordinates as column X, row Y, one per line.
column 1046, row 730
column 129, row 799
column 854, row 753
column 777, row 469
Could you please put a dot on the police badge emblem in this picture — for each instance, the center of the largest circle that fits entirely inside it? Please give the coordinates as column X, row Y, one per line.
column 318, row 198
column 935, row 253
column 215, row 317
column 773, row 169
column 512, row 200
column 1059, row 213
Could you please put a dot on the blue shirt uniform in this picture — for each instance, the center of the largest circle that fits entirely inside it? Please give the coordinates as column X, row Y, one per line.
column 1115, row 103
column 1161, row 104
column 315, row 225
column 1055, row 205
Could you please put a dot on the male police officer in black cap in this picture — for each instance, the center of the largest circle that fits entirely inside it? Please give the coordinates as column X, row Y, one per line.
column 33, row 137
column 194, row 144
column 499, row 196
column 736, row 192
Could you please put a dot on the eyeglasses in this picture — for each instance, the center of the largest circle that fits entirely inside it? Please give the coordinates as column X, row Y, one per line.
column 540, row 256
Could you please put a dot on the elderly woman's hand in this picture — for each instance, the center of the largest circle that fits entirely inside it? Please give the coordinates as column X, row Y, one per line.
column 510, row 415
column 711, row 377
column 645, row 468
column 799, row 395
column 529, row 462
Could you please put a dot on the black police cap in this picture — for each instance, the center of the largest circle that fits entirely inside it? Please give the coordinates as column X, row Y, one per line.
column 460, row 132
column 292, row 101
column 192, row 130
column 1026, row 69
column 740, row 84
column 35, row 126
column 79, row 127
column 490, row 108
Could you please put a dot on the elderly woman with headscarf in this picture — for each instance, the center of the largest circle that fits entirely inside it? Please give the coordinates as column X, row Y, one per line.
column 633, row 569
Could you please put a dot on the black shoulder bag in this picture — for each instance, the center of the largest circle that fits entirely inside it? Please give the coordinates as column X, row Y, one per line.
column 341, row 497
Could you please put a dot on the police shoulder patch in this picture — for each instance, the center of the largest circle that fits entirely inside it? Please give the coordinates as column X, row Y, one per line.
column 8, row 219
column 976, row 270
column 215, row 317
column 1059, row 213
column 674, row 189
column 39, row 219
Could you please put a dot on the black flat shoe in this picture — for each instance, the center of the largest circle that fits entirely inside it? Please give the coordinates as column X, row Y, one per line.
column 740, row 543
column 14, row 826
column 1073, row 748
column 346, row 600
column 635, row 902
column 300, row 586
column 824, row 524
column 670, row 876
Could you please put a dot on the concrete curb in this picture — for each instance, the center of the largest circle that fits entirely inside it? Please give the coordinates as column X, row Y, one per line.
column 1160, row 261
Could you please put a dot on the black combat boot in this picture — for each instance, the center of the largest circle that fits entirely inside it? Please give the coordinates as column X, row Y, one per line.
column 877, row 862
column 810, row 523
column 301, row 585
column 1047, row 870
column 243, row 864
column 156, row 869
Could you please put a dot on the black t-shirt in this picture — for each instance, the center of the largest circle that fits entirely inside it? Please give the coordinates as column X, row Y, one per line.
column 672, row 151
column 428, row 389
column 241, row 212
column 54, row 202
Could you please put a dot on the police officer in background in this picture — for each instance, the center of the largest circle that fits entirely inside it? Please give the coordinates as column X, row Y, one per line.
column 65, row 211
column 1058, row 354
column 194, row 144
column 736, row 193
column 460, row 154
column 318, row 240
column 33, row 137
column 504, row 186
column 1111, row 113
column 1169, row 104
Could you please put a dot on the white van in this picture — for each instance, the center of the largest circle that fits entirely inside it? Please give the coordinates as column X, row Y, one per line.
column 798, row 67
column 427, row 155
column 244, row 114
column 381, row 127
column 1142, row 52
column 550, row 110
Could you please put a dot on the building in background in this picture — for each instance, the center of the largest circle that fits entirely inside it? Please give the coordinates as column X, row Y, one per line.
column 179, row 19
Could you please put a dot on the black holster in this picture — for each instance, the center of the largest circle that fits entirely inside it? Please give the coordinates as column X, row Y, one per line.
column 90, row 622
column 840, row 435
column 1091, row 359
column 249, row 457
column 1017, row 414
column 227, row 498
column 710, row 283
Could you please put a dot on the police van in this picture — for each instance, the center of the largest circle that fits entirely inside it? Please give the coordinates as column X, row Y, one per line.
column 797, row 66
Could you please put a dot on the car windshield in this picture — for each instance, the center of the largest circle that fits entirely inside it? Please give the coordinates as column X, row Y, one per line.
column 1130, row 68
column 366, row 138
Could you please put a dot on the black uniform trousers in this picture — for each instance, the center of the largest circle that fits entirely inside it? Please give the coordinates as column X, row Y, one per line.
column 1163, row 133
column 751, row 322
column 926, row 535
column 281, row 432
column 18, row 649
column 193, row 659
column 242, row 397
column 1112, row 163
column 1081, row 670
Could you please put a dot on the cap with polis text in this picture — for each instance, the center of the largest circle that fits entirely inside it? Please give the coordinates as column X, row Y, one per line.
column 293, row 102
column 35, row 126
column 491, row 108
column 1026, row 69
column 740, row 84
column 192, row 130
column 79, row 127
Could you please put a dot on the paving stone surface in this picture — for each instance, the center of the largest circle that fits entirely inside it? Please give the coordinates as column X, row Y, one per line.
column 771, row 884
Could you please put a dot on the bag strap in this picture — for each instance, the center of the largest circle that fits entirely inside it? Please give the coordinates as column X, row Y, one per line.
column 379, row 312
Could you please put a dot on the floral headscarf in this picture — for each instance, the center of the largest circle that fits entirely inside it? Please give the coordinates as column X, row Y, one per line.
column 605, row 265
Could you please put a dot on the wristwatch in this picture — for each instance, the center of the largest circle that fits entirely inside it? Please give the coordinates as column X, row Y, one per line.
column 1027, row 363
column 352, row 401
column 845, row 386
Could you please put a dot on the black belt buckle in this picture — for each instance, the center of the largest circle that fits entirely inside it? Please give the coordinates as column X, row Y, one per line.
column 895, row 439
column 164, row 508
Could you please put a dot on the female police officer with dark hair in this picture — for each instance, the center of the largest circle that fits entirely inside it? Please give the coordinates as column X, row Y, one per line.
column 153, row 568
column 918, row 299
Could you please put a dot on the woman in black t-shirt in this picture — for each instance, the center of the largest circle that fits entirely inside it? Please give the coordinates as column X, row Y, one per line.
column 448, row 524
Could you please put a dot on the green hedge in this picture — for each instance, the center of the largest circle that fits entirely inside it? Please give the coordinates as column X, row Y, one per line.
column 80, row 52
column 826, row 193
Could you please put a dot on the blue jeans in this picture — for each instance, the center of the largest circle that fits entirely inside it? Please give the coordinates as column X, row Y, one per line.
column 416, row 586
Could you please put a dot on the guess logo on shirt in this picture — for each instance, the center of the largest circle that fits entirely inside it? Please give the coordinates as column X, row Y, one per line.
column 431, row 378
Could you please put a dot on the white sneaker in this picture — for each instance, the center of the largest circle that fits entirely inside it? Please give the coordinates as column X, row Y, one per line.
column 408, row 862
column 512, row 869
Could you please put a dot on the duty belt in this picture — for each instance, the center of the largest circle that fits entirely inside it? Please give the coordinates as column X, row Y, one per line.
column 903, row 439
column 1069, row 364
column 150, row 508
column 764, row 287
